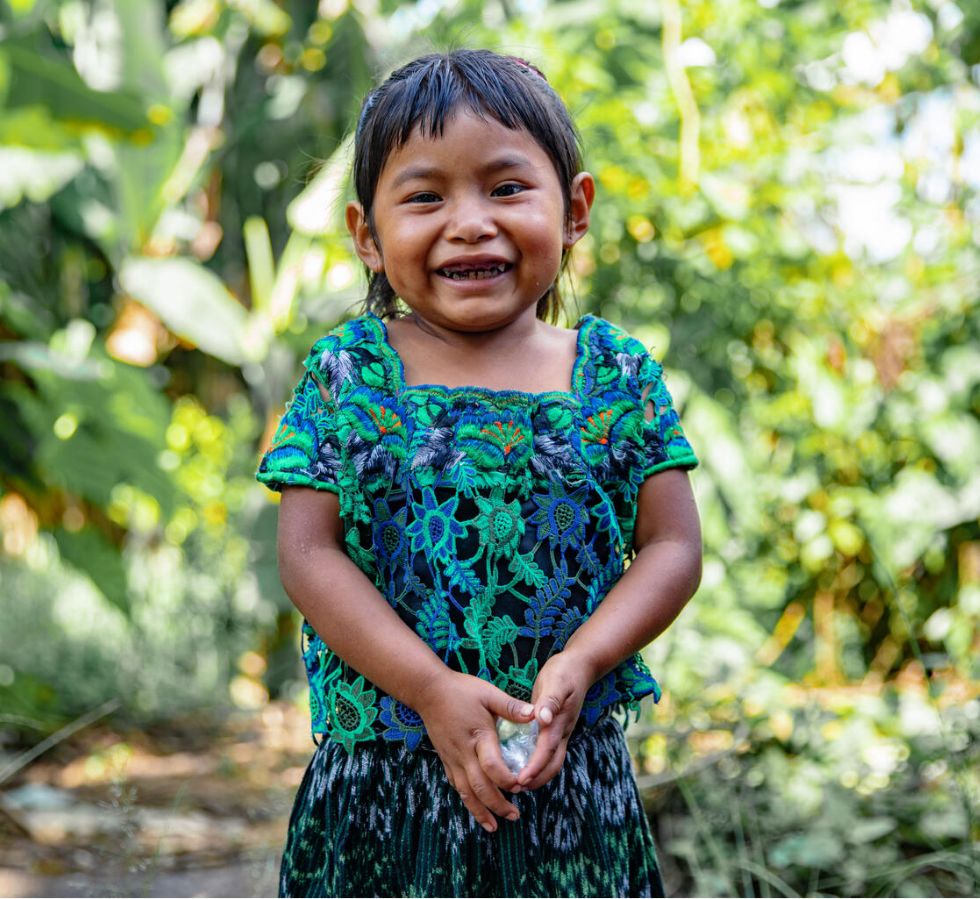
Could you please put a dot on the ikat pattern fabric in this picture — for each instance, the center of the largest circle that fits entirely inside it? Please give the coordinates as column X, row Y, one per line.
column 385, row 822
column 493, row 522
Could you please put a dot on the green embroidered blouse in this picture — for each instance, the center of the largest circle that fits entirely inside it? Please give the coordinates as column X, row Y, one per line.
column 494, row 522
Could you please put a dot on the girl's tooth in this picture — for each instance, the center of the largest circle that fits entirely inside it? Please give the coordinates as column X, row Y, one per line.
column 476, row 274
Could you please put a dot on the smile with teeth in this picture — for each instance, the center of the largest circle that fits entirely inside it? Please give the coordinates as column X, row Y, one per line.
column 474, row 273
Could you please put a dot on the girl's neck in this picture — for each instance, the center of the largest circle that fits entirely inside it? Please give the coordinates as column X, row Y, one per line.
column 527, row 355
column 494, row 341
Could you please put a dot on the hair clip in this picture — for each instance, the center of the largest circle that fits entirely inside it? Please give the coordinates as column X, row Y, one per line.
column 530, row 66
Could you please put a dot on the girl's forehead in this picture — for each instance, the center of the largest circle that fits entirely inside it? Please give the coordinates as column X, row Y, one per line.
column 468, row 139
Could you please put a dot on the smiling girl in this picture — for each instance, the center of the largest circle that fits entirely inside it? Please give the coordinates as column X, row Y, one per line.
column 463, row 483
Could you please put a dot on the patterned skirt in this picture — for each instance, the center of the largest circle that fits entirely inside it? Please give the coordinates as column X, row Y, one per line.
column 385, row 822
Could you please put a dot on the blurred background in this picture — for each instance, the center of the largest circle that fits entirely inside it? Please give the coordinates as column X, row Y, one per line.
column 788, row 214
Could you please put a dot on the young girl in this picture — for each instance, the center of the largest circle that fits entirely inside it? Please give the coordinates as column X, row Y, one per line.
column 462, row 486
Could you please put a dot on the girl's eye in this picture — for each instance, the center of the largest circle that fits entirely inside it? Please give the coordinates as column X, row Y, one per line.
column 424, row 196
column 508, row 190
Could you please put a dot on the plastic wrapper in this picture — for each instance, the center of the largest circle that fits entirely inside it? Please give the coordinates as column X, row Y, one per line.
column 517, row 742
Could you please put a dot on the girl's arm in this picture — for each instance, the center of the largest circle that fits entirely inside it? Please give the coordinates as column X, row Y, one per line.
column 359, row 625
column 646, row 599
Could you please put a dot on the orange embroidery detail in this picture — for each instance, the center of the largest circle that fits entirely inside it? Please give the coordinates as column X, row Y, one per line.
column 516, row 435
column 394, row 422
column 600, row 427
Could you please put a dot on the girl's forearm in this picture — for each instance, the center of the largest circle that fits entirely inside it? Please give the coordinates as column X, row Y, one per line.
column 359, row 625
column 645, row 600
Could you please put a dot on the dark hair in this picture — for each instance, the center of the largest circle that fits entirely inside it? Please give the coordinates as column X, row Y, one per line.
column 429, row 90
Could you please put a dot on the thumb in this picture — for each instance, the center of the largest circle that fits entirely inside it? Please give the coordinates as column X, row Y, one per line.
column 506, row 706
column 546, row 708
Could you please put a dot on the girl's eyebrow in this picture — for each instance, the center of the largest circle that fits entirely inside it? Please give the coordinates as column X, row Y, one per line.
column 422, row 172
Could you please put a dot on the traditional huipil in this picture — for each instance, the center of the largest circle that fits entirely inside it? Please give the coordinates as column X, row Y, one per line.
column 494, row 523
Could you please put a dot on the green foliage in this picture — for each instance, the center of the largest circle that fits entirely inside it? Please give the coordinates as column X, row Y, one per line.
column 858, row 795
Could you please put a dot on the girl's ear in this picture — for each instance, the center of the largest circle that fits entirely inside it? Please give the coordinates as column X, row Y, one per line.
column 364, row 242
column 582, row 195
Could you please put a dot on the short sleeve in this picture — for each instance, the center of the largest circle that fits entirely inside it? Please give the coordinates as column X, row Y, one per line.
column 664, row 444
column 305, row 450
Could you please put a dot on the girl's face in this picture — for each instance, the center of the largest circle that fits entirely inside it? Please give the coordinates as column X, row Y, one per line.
column 469, row 226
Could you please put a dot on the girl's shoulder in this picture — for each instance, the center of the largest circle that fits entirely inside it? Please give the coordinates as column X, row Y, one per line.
column 613, row 349
column 351, row 353
column 363, row 332
column 611, row 337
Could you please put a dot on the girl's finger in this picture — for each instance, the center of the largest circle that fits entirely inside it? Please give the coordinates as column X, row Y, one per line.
column 484, row 793
column 492, row 763
column 551, row 769
column 506, row 706
column 549, row 702
column 549, row 739
column 546, row 709
column 476, row 808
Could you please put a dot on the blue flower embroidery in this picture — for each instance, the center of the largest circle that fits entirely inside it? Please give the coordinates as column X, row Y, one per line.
column 560, row 516
column 401, row 722
column 389, row 534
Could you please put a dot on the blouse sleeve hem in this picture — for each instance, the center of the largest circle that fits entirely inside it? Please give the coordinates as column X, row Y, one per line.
column 281, row 479
column 685, row 462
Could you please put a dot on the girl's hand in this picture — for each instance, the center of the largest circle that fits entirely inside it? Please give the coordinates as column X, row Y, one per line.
column 558, row 694
column 459, row 713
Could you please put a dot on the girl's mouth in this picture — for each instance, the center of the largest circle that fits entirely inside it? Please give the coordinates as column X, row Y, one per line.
column 474, row 272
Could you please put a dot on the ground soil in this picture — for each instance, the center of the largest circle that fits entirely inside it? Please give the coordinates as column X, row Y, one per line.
column 197, row 809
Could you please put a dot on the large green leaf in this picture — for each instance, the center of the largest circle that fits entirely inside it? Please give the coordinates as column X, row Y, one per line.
column 52, row 84
column 192, row 302
column 142, row 171
column 318, row 209
column 35, row 356
column 36, row 176
column 89, row 551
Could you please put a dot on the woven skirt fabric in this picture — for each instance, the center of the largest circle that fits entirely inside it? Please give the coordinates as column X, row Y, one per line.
column 385, row 822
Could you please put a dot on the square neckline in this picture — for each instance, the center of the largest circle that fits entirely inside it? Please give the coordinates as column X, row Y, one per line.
column 583, row 326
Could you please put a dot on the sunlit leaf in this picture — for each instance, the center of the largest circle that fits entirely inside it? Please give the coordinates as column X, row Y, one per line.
column 191, row 301
column 37, row 80
column 319, row 207
column 90, row 552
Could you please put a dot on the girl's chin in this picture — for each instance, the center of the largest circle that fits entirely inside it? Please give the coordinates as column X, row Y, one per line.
column 473, row 316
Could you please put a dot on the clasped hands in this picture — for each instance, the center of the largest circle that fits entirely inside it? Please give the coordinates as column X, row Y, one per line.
column 460, row 711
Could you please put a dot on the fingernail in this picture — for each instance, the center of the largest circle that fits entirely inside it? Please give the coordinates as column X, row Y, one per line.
column 489, row 828
column 527, row 709
column 513, row 816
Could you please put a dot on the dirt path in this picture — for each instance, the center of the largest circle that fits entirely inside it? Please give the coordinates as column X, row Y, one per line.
column 197, row 810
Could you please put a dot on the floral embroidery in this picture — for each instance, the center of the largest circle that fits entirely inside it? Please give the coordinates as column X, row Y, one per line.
column 519, row 681
column 560, row 516
column 390, row 541
column 352, row 712
column 493, row 443
column 376, row 418
column 435, row 528
column 402, row 722
column 493, row 522
column 499, row 524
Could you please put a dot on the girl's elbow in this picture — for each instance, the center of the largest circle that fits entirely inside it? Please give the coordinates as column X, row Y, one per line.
column 696, row 567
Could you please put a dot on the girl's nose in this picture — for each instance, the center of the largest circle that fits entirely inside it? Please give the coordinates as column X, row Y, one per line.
column 471, row 222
